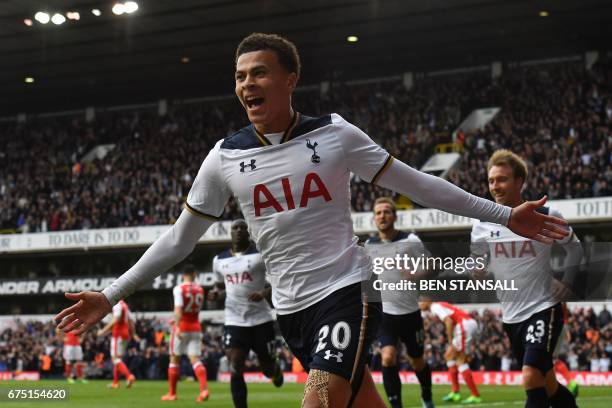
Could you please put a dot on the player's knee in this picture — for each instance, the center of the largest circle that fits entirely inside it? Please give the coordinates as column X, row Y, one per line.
column 417, row 363
column 532, row 378
column 388, row 357
column 316, row 392
column 551, row 383
column 325, row 390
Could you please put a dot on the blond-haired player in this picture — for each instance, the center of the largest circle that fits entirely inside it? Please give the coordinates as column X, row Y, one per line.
column 532, row 316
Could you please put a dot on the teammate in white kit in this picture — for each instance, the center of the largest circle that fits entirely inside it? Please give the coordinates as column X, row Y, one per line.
column 533, row 316
column 401, row 318
column 186, row 337
column 249, row 321
column 461, row 332
column 291, row 175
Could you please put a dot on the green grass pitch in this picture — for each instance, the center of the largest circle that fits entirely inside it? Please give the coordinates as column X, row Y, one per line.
column 147, row 394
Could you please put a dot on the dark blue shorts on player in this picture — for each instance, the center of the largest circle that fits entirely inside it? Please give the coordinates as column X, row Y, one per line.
column 261, row 339
column 407, row 327
column 334, row 334
column 533, row 340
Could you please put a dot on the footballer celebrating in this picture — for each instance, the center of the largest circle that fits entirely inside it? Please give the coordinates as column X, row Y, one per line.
column 533, row 318
column 249, row 322
column 121, row 326
column 401, row 318
column 186, row 336
column 73, row 356
column 461, row 332
column 290, row 174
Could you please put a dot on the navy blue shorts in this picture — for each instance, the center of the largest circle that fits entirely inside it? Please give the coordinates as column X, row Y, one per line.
column 334, row 334
column 407, row 327
column 261, row 339
column 536, row 336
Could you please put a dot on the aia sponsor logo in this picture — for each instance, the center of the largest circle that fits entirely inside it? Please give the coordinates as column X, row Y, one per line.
column 313, row 188
column 514, row 249
column 238, row 278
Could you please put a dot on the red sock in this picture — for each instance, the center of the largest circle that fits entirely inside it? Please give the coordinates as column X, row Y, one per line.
column 469, row 380
column 173, row 377
column 115, row 373
column 454, row 375
column 562, row 369
column 200, row 372
column 123, row 369
column 68, row 370
column 79, row 370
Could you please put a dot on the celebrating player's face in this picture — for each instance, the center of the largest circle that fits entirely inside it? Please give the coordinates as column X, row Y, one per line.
column 264, row 88
column 384, row 217
column 504, row 187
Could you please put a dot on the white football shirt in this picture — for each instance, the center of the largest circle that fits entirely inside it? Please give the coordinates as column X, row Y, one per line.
column 527, row 262
column 242, row 275
column 295, row 198
column 397, row 302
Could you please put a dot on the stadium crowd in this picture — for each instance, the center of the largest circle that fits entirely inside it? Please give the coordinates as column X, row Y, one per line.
column 560, row 120
column 557, row 116
column 35, row 346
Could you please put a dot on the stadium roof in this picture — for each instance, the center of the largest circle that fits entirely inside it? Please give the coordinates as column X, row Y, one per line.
column 134, row 58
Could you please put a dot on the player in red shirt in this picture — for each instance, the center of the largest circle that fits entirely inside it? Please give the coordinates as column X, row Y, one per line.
column 73, row 355
column 461, row 332
column 122, row 330
column 186, row 337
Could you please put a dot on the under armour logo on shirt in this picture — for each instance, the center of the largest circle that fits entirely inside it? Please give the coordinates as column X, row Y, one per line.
column 251, row 165
column 328, row 355
column 494, row 233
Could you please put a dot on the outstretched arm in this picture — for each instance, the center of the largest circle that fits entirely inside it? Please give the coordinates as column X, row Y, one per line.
column 438, row 193
column 372, row 163
column 169, row 249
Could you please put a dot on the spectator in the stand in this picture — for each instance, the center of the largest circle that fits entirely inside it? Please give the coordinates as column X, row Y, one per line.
column 604, row 317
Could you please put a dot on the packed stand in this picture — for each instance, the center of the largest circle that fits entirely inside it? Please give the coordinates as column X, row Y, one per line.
column 557, row 116
column 34, row 346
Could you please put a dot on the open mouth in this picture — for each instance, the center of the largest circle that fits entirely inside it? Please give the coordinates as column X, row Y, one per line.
column 254, row 102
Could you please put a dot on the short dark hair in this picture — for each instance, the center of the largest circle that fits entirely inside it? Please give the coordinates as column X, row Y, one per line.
column 189, row 269
column 286, row 51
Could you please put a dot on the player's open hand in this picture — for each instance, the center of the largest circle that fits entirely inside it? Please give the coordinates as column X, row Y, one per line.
column 90, row 308
column 525, row 221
